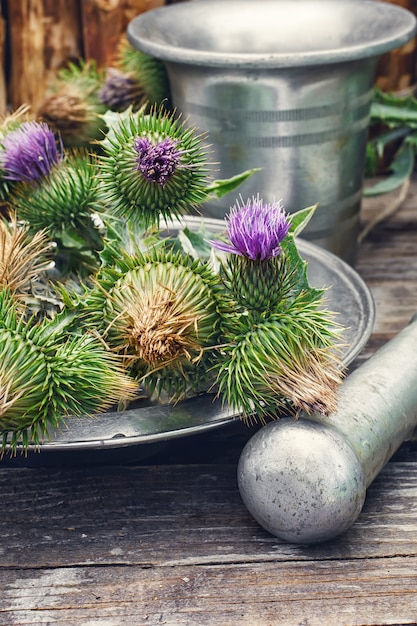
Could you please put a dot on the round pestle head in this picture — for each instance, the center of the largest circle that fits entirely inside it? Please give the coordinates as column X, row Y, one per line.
column 301, row 481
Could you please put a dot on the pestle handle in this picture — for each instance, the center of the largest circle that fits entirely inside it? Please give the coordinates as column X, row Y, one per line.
column 378, row 403
column 305, row 481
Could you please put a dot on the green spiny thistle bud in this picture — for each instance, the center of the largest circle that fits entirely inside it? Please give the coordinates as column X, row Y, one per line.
column 161, row 311
column 280, row 355
column 63, row 204
column 258, row 285
column 285, row 362
column 153, row 168
column 257, row 272
column 46, row 374
column 73, row 107
column 138, row 79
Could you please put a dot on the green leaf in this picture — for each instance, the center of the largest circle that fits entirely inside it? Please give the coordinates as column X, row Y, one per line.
column 300, row 219
column 71, row 238
column 220, row 188
column 394, row 110
column 392, row 135
column 390, row 115
column 297, row 271
column 401, row 167
column 195, row 243
column 113, row 120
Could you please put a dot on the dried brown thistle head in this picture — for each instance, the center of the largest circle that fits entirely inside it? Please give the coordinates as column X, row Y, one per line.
column 23, row 257
column 162, row 329
column 311, row 384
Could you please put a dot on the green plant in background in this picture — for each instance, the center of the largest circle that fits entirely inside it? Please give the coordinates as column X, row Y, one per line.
column 73, row 107
column 392, row 145
column 136, row 80
column 81, row 93
column 390, row 151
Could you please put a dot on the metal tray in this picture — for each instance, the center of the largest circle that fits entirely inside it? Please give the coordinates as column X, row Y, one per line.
column 347, row 295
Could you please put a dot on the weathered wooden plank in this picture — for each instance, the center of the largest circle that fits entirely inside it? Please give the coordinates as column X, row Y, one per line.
column 3, row 89
column 395, row 304
column 177, row 515
column 44, row 35
column 387, row 261
column 380, row 591
column 105, row 21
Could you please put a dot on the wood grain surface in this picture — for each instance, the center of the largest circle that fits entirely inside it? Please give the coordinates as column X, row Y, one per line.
column 43, row 36
column 175, row 545
column 105, row 21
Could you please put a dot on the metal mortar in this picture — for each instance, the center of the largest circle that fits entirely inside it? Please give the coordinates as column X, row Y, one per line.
column 281, row 85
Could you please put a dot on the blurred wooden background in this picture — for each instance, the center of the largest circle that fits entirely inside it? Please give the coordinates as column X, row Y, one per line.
column 397, row 70
column 37, row 37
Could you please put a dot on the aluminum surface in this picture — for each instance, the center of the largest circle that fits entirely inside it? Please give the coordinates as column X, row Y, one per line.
column 270, row 33
column 301, row 481
column 347, row 295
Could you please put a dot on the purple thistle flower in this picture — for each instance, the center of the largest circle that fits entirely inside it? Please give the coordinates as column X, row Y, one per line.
column 119, row 90
column 30, row 152
column 157, row 162
column 255, row 229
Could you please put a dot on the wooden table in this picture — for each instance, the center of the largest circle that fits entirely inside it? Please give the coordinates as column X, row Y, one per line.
column 169, row 541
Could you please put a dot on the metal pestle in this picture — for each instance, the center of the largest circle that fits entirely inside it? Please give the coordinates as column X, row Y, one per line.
column 305, row 481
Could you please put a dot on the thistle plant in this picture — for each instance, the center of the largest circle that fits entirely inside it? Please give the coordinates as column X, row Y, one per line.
column 280, row 353
column 161, row 312
column 120, row 91
column 64, row 205
column 177, row 315
column 23, row 257
column 47, row 374
column 73, row 107
column 54, row 192
column 257, row 273
column 153, row 167
column 29, row 152
column 137, row 80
